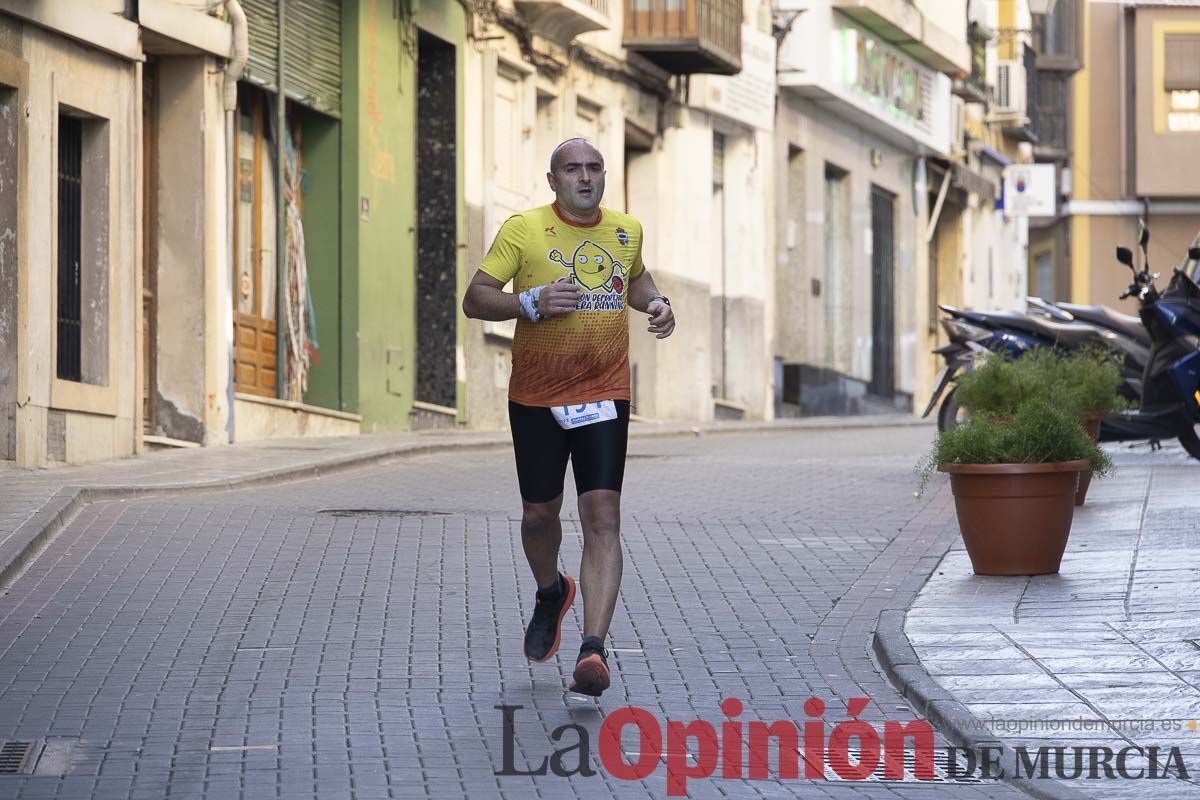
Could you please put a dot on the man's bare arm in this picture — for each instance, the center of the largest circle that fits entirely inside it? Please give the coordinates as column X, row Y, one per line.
column 642, row 294
column 641, row 291
column 486, row 299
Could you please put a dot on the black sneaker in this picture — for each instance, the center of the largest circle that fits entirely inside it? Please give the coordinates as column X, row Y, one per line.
column 591, row 671
column 545, row 629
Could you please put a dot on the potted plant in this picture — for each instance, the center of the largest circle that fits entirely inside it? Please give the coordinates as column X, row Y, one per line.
column 1083, row 383
column 1014, row 485
column 994, row 387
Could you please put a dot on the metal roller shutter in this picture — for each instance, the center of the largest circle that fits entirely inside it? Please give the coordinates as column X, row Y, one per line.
column 312, row 36
column 312, row 40
column 262, row 21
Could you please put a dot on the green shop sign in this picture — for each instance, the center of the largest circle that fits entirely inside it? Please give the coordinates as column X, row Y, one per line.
column 889, row 78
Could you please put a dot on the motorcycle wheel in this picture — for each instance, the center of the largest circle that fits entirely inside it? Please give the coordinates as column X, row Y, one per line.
column 1190, row 442
column 950, row 416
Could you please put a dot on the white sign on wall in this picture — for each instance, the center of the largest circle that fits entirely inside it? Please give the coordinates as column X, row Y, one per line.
column 749, row 96
column 1030, row 190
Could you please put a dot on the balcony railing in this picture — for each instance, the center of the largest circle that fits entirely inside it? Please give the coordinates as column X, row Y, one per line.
column 1053, row 101
column 1056, row 36
column 687, row 36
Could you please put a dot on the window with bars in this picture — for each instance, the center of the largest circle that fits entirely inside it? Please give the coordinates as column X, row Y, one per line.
column 70, row 246
column 81, row 287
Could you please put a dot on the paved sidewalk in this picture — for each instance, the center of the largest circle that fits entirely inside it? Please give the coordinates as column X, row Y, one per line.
column 1106, row 653
column 350, row 635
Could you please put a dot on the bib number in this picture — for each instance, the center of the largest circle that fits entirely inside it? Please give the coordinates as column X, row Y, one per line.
column 569, row 417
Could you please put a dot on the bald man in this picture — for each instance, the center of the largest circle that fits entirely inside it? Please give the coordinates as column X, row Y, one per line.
column 575, row 268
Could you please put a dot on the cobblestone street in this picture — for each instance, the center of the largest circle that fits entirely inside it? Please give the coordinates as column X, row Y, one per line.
column 352, row 635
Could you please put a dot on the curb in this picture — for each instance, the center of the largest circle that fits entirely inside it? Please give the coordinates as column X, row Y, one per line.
column 28, row 540
column 900, row 664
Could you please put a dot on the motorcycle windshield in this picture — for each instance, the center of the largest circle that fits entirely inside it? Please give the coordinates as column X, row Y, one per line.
column 1191, row 267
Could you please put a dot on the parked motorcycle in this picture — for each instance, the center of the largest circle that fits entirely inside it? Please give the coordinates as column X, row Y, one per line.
column 1010, row 334
column 1161, row 353
column 1170, row 402
column 1101, row 316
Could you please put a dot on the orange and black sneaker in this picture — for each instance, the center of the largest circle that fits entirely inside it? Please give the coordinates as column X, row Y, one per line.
column 545, row 629
column 591, row 668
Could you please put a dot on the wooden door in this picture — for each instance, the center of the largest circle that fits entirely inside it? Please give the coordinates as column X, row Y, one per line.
column 254, row 249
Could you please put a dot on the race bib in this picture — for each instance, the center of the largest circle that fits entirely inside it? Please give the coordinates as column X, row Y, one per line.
column 569, row 417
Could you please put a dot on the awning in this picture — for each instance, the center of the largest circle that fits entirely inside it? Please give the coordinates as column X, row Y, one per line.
column 994, row 155
column 962, row 178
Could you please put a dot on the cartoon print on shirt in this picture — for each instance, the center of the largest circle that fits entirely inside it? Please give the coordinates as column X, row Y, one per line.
column 592, row 267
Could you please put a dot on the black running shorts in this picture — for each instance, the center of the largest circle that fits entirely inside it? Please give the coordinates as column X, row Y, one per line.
column 597, row 452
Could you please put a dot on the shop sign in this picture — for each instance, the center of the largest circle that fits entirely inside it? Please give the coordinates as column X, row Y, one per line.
column 747, row 97
column 888, row 78
column 1029, row 190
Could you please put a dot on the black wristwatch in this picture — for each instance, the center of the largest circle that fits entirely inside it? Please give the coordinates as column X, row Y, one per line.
column 662, row 297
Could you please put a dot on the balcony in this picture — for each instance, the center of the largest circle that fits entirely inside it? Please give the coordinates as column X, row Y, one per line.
column 1051, row 122
column 686, row 36
column 1017, row 97
column 562, row 20
column 974, row 87
column 1057, row 37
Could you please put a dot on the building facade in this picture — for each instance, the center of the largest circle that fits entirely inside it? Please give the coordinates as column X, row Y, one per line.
column 644, row 84
column 77, row 326
column 1134, row 133
column 865, row 108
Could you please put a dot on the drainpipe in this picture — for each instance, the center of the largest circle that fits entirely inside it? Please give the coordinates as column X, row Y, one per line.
column 280, row 215
column 233, row 71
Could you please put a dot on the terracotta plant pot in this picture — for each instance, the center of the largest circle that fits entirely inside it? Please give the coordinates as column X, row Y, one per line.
column 1015, row 518
column 1091, row 423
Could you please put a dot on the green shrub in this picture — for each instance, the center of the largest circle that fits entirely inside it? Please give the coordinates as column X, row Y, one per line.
column 1081, row 383
column 1089, row 381
column 994, row 387
column 1040, row 432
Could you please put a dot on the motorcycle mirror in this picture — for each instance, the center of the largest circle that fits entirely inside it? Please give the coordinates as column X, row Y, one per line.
column 1125, row 256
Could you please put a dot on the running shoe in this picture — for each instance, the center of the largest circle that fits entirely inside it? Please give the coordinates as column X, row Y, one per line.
column 545, row 629
column 591, row 672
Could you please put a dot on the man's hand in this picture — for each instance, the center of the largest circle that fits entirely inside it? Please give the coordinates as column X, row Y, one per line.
column 559, row 297
column 662, row 319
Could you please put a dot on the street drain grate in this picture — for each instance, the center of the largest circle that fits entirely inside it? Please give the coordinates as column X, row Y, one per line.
column 19, row 758
column 941, row 769
column 381, row 512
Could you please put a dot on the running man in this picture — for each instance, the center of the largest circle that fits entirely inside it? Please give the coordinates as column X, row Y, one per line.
column 574, row 267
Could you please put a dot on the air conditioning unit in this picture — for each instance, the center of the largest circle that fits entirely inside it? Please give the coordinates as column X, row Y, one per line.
column 1010, row 88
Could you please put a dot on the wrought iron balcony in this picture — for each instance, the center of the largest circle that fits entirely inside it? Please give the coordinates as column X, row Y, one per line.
column 687, row 36
column 563, row 20
column 974, row 87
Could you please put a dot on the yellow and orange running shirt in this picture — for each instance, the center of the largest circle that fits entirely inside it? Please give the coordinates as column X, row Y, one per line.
column 582, row 357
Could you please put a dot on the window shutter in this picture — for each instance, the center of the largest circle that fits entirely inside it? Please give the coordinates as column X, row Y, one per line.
column 1182, row 63
column 263, row 27
column 312, row 39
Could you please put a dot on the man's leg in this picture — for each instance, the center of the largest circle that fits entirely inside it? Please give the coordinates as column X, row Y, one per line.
column 541, row 535
column 542, row 450
column 598, row 458
column 601, row 567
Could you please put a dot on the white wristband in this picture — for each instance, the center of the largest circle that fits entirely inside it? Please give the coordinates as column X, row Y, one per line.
column 529, row 308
